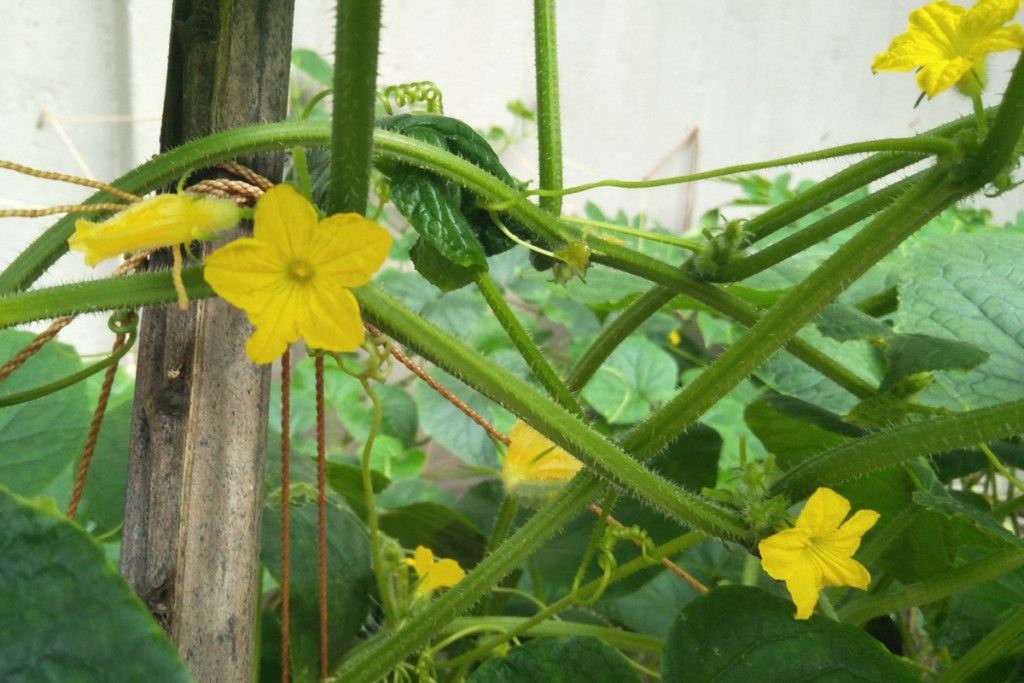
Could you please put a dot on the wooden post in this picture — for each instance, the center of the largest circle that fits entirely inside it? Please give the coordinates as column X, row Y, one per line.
column 190, row 545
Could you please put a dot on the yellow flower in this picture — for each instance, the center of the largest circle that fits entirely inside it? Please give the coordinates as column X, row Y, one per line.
column 161, row 221
column 948, row 43
column 818, row 551
column 534, row 468
column 433, row 574
column 292, row 277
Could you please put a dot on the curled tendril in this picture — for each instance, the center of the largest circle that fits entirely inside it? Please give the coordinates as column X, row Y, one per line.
column 408, row 94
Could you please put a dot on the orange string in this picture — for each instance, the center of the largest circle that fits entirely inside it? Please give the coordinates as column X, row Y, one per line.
column 321, row 505
column 94, row 431
column 286, row 403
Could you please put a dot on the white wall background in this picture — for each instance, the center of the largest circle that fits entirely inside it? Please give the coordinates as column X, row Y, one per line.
column 82, row 91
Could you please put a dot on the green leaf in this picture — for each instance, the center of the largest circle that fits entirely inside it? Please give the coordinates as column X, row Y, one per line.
column 845, row 323
column 945, row 504
column 432, row 206
column 40, row 438
column 973, row 613
column 314, row 66
column 637, row 376
column 439, row 269
column 349, row 579
column 909, row 354
column 787, row 375
column 460, row 139
column 390, row 456
column 403, row 492
column 344, row 479
column 443, row 530
column 795, row 430
column 743, row 634
column 65, row 615
column 576, row 659
column 452, row 428
column 968, row 288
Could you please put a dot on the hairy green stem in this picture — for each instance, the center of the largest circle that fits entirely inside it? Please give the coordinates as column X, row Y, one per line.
column 898, row 445
column 373, row 662
column 549, row 119
column 550, row 419
column 999, row 643
column 581, row 594
column 783, row 321
column 845, row 217
column 615, row 332
column 130, row 291
column 356, row 46
column 821, row 194
column 943, row 585
column 535, row 360
column 514, row 625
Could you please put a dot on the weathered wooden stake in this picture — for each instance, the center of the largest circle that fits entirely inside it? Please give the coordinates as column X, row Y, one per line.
column 195, row 480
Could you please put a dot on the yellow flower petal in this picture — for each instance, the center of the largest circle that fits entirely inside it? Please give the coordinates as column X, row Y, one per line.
column 285, row 219
column 818, row 551
column 161, row 221
column 292, row 277
column 433, row 574
column 948, row 42
column 534, row 467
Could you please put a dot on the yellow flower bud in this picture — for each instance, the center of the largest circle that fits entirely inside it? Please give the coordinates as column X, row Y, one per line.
column 161, row 221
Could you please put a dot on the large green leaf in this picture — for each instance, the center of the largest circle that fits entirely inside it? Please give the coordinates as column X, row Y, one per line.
column 349, row 579
column 446, row 532
column 744, row 634
column 451, row 428
column 65, row 615
column 968, row 288
column 908, row 354
column 637, row 376
column 787, row 375
column 39, row 438
column 794, row 430
column 576, row 659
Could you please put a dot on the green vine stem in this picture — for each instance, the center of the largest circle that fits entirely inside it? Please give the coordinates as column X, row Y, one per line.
column 64, row 382
column 1001, row 641
column 129, row 291
column 550, row 419
column 382, row 572
column 821, row 194
column 843, row 218
column 535, row 360
column 937, row 189
column 889, row 448
column 916, row 148
column 514, row 625
column 934, row 588
column 549, row 120
column 372, row 662
column 356, row 46
column 885, row 232
column 615, row 332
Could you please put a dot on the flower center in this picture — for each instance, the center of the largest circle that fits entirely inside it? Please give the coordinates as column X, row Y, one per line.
column 301, row 271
